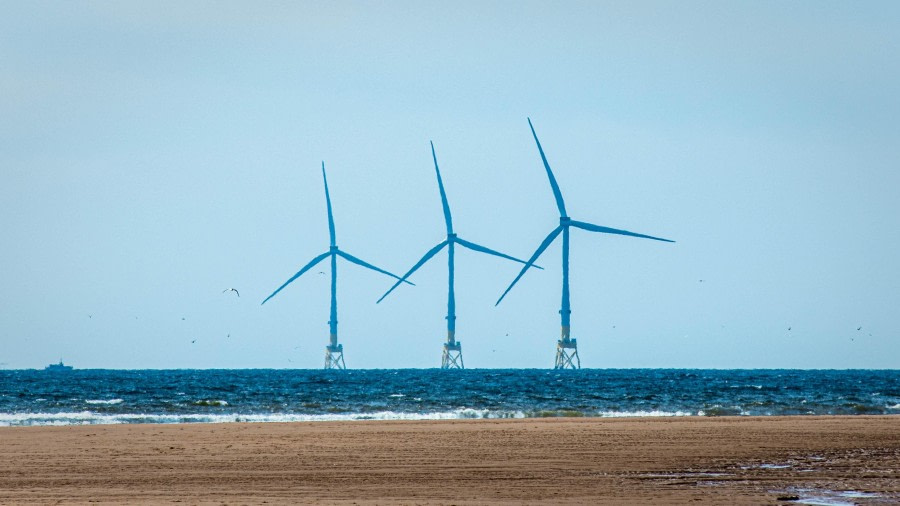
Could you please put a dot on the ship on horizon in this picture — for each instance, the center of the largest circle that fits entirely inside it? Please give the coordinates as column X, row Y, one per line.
column 60, row 367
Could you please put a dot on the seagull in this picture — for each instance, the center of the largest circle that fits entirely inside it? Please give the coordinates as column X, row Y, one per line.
column 90, row 316
column 321, row 272
column 182, row 318
column 193, row 341
column 859, row 328
column 232, row 290
column 229, row 335
column 789, row 328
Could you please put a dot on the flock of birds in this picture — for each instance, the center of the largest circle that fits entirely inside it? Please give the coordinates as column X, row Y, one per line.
column 194, row 341
column 858, row 329
column 237, row 293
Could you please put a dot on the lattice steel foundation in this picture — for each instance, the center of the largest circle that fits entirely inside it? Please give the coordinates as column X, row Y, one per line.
column 452, row 356
column 334, row 356
column 567, row 352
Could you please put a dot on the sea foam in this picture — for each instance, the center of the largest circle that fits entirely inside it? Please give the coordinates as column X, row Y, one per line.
column 91, row 418
column 104, row 401
column 217, row 396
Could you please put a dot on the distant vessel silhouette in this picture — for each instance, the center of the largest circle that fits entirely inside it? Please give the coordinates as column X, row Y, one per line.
column 58, row 367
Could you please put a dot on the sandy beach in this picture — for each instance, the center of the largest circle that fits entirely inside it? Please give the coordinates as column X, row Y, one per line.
column 579, row 461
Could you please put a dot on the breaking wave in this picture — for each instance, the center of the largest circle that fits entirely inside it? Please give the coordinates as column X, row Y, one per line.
column 32, row 397
column 92, row 418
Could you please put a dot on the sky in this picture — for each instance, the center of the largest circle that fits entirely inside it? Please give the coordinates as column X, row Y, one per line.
column 154, row 154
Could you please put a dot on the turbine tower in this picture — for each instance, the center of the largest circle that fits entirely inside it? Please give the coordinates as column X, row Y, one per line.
column 334, row 352
column 452, row 354
column 566, row 347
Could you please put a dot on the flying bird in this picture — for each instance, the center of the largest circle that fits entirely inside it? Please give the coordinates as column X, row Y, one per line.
column 789, row 328
column 859, row 328
column 232, row 290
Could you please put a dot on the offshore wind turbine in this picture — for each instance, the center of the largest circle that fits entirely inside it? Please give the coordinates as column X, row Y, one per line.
column 334, row 352
column 451, row 357
column 566, row 347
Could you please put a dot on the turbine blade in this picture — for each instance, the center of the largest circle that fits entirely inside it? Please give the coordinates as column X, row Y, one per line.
column 556, row 193
column 447, row 217
column 305, row 268
column 328, row 203
column 433, row 251
column 550, row 237
column 367, row 265
column 606, row 230
column 481, row 249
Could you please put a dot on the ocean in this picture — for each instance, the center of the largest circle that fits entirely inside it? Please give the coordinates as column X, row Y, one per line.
column 101, row 396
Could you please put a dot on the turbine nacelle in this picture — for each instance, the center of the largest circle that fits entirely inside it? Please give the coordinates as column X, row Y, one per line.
column 567, row 348
column 564, row 223
column 334, row 351
column 452, row 355
column 451, row 238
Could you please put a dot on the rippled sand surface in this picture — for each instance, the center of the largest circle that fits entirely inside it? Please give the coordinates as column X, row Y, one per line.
column 727, row 460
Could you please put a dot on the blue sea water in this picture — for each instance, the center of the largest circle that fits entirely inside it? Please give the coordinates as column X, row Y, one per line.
column 35, row 397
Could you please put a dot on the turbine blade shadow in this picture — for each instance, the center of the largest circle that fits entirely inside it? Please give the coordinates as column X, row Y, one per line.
column 556, row 193
column 433, row 251
column 481, row 249
column 367, row 265
column 305, row 268
column 328, row 204
column 607, row 230
column 447, row 218
column 550, row 237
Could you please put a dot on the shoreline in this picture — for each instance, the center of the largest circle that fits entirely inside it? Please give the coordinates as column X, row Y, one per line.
column 89, row 418
column 734, row 460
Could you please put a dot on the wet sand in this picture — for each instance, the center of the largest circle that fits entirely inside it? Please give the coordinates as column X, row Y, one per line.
column 578, row 461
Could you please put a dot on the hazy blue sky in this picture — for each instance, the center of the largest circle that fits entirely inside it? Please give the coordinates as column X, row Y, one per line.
column 155, row 153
